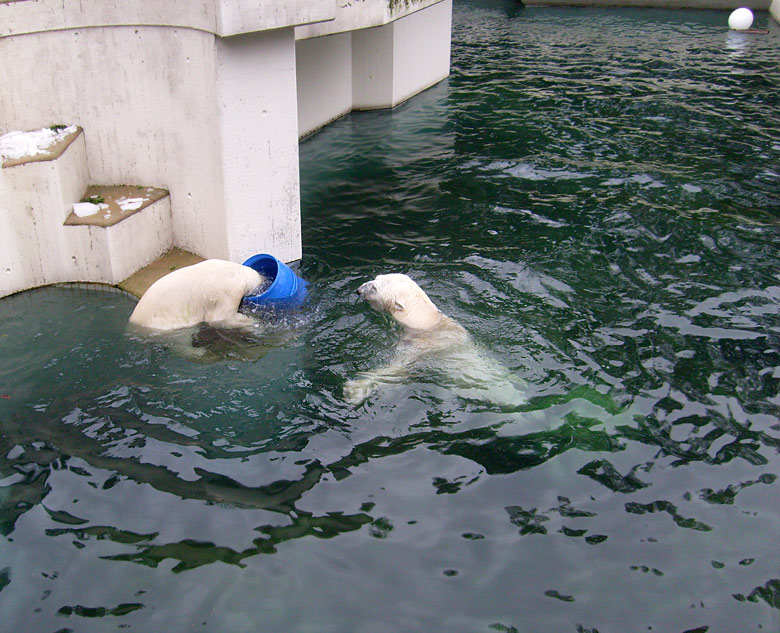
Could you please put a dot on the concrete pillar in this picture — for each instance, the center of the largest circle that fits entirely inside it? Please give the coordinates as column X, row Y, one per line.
column 393, row 62
column 422, row 43
column 259, row 143
column 370, row 67
column 324, row 71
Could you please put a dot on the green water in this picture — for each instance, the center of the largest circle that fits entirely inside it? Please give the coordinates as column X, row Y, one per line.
column 595, row 196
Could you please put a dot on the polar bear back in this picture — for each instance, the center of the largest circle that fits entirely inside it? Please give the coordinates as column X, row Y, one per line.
column 210, row 292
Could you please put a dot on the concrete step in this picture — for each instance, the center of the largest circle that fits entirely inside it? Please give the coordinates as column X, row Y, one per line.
column 43, row 173
column 115, row 203
column 132, row 227
column 38, row 146
column 41, row 177
column 139, row 282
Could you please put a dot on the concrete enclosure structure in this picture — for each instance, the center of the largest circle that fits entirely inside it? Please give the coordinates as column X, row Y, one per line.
column 370, row 68
column 204, row 98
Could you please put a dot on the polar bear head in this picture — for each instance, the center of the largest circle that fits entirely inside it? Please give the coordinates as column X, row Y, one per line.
column 403, row 299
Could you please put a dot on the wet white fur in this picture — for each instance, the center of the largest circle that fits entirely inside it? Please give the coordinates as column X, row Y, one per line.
column 207, row 292
column 430, row 339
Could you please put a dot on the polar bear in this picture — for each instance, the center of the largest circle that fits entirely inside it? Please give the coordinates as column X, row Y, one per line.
column 430, row 340
column 207, row 292
column 401, row 297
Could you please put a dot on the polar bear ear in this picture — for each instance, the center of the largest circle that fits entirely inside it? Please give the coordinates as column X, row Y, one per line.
column 398, row 306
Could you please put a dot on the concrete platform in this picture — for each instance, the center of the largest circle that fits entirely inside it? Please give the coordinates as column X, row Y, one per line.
column 119, row 202
column 52, row 152
column 138, row 283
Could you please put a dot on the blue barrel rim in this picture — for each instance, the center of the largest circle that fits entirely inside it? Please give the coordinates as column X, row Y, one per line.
column 274, row 275
column 292, row 294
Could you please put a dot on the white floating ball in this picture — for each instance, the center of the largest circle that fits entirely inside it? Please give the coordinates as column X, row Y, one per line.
column 741, row 19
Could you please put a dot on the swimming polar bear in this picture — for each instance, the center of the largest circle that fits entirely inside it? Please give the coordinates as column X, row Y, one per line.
column 207, row 292
column 430, row 341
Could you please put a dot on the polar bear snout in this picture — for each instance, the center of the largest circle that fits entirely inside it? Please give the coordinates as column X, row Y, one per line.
column 368, row 292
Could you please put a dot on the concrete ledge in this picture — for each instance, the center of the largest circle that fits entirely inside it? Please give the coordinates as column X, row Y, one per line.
column 43, row 242
column 220, row 17
column 138, row 283
column 53, row 152
column 113, row 253
column 363, row 14
column 117, row 202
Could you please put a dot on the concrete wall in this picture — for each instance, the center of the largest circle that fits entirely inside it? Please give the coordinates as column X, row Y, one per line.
column 210, row 119
column 389, row 64
column 324, row 70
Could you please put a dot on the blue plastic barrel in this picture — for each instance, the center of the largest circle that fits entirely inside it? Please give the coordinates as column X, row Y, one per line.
column 287, row 290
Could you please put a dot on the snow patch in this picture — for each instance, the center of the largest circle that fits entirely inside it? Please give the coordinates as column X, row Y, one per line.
column 16, row 145
column 131, row 204
column 85, row 209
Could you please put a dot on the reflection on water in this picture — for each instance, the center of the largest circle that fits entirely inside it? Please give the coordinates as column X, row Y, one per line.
column 593, row 195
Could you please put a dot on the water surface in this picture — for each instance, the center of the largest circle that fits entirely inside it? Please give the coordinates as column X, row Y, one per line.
column 594, row 195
